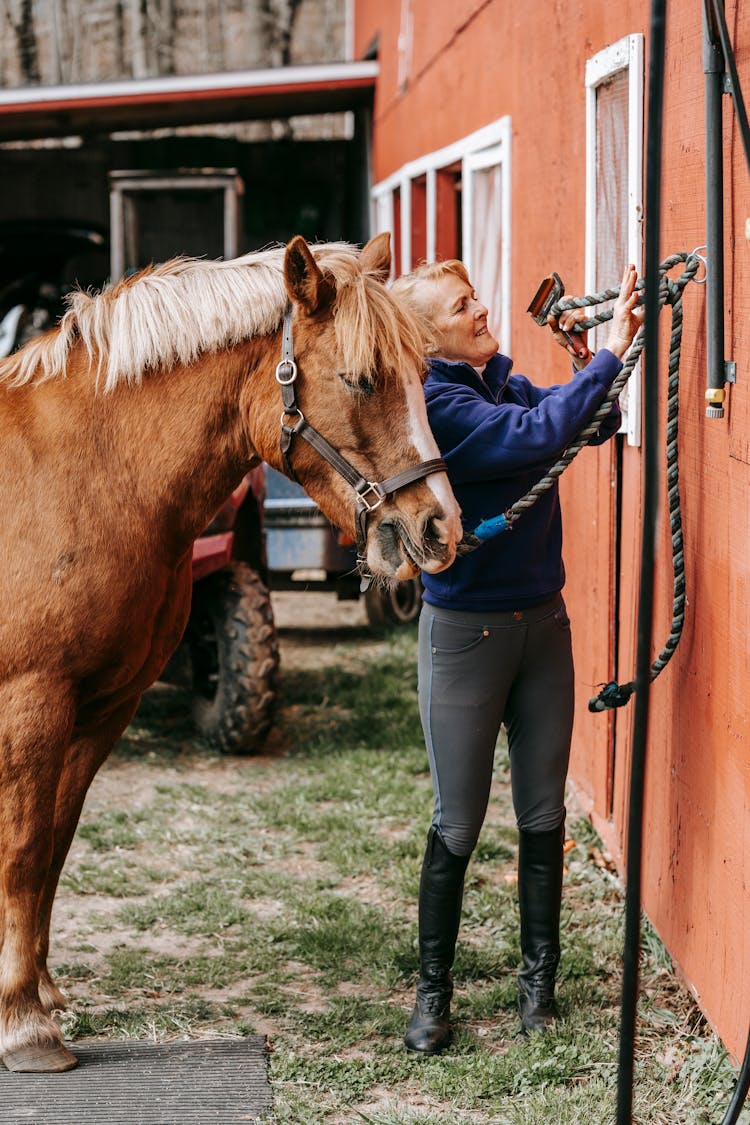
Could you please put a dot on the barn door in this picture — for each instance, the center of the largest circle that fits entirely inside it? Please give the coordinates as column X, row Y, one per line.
column 159, row 215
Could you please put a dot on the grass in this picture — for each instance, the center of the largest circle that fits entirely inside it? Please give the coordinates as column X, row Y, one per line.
column 211, row 896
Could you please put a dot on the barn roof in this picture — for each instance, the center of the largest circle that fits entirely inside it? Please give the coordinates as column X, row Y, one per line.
column 33, row 112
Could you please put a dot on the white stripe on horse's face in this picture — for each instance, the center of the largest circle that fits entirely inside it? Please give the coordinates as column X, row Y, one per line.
column 426, row 447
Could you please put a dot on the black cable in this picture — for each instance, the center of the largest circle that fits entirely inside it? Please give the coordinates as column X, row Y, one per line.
column 646, row 600
column 734, row 1108
column 718, row 29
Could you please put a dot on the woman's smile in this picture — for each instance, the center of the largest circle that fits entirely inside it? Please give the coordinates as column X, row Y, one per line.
column 460, row 323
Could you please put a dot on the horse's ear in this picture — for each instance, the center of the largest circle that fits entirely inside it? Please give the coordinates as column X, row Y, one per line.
column 305, row 282
column 376, row 256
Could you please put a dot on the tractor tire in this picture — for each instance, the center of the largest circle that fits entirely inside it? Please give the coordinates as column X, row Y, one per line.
column 399, row 605
column 235, row 659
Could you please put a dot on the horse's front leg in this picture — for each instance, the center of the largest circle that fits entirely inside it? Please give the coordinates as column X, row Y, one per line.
column 83, row 759
column 36, row 720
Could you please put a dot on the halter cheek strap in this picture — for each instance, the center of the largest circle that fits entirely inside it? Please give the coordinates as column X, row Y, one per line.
column 369, row 494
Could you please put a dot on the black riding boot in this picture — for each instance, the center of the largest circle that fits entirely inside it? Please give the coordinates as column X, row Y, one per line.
column 540, row 864
column 440, row 896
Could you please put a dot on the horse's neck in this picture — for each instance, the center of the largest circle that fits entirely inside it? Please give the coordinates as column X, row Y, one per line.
column 178, row 444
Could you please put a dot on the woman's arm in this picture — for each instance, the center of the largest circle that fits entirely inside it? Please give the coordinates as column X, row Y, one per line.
column 529, row 427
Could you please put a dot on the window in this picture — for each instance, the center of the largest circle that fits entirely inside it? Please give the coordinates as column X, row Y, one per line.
column 482, row 229
column 614, row 184
column 455, row 203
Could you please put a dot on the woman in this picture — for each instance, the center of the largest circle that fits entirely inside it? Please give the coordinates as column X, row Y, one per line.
column 494, row 635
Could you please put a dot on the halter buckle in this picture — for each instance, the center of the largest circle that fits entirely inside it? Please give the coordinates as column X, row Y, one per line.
column 288, row 413
column 290, row 365
column 376, row 490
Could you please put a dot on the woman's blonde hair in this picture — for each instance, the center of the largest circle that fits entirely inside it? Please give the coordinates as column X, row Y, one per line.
column 416, row 290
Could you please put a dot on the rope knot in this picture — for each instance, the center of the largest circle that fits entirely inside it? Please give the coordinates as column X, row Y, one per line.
column 612, row 695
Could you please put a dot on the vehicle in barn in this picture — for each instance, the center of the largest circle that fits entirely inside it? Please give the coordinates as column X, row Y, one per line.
column 306, row 552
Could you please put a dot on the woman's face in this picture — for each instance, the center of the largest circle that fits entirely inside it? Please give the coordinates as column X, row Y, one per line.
column 460, row 322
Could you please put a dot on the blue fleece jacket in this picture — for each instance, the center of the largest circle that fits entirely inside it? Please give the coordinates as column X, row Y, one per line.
column 499, row 435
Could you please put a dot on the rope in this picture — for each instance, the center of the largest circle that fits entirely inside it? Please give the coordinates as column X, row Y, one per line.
column 670, row 292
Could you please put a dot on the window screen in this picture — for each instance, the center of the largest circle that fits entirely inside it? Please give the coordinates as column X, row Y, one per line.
column 610, row 224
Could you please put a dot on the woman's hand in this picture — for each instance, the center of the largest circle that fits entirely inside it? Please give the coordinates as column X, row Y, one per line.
column 575, row 343
column 626, row 318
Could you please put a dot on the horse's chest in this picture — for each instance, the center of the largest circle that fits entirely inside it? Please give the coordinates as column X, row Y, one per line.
column 130, row 643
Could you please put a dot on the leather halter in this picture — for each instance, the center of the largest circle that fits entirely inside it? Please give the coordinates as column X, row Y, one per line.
column 369, row 494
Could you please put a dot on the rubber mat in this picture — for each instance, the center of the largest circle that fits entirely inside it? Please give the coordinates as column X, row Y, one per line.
column 141, row 1083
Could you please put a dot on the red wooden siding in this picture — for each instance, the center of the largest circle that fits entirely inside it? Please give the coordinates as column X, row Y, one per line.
column 469, row 65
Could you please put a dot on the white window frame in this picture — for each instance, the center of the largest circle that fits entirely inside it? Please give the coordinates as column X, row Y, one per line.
column 485, row 148
column 405, row 44
column 625, row 54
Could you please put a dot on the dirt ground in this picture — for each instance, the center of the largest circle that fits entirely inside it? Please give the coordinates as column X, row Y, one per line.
column 310, row 625
column 311, row 610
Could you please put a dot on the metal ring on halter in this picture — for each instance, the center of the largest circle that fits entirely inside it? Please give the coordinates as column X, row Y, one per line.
column 286, row 363
column 371, row 487
column 703, row 260
column 293, row 410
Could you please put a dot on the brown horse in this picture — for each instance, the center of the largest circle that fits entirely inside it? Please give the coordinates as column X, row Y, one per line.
column 123, row 431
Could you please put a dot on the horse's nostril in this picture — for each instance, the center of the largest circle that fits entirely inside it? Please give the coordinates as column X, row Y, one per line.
column 432, row 537
column 436, row 540
column 441, row 535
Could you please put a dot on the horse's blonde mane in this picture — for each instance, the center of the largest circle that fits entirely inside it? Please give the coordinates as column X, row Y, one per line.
column 172, row 313
column 374, row 332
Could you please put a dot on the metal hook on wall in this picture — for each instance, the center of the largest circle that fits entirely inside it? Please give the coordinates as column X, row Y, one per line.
column 703, row 259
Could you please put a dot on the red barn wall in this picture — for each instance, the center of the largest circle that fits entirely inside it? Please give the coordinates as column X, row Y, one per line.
column 470, row 65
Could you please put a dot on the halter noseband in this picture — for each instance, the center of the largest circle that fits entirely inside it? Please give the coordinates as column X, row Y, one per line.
column 369, row 494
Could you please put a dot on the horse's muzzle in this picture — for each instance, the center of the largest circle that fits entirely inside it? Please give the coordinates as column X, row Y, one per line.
column 400, row 551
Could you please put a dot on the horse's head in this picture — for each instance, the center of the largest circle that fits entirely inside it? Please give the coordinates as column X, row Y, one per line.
column 358, row 383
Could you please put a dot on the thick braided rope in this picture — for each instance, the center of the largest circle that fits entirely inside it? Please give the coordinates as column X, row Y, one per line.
column 614, row 694
column 670, row 292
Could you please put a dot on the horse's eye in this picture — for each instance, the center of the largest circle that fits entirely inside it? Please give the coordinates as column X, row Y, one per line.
column 359, row 384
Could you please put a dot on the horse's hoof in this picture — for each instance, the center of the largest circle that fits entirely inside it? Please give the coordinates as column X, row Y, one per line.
column 40, row 1059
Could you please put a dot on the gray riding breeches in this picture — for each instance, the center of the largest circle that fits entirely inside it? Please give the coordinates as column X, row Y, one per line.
column 476, row 672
